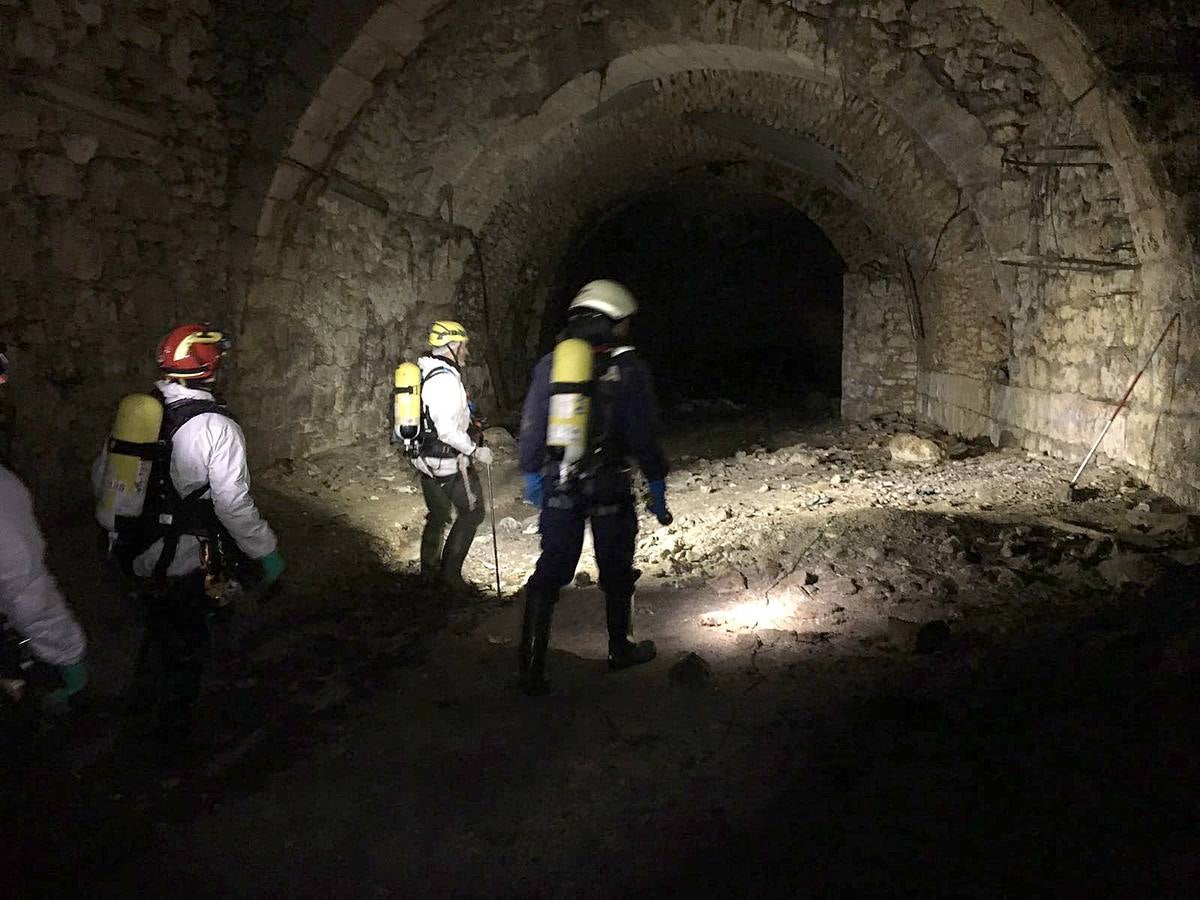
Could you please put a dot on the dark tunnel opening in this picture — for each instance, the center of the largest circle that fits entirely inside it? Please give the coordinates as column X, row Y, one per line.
column 740, row 296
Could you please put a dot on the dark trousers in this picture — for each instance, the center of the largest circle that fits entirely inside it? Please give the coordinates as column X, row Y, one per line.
column 614, row 535
column 171, row 659
column 446, row 498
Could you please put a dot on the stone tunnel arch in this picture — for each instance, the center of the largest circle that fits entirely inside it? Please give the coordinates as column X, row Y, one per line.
column 967, row 142
column 859, row 123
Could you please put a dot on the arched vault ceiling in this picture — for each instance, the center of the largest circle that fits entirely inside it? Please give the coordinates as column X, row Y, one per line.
column 966, row 76
column 816, row 132
column 471, row 159
column 837, row 158
column 812, row 137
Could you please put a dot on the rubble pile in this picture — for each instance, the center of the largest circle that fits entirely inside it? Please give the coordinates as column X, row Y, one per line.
column 830, row 527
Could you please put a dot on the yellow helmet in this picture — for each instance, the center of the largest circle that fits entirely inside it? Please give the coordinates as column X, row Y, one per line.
column 445, row 332
column 609, row 298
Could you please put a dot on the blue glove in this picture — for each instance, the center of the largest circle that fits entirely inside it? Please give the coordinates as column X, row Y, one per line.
column 74, row 678
column 534, row 493
column 658, row 502
column 273, row 566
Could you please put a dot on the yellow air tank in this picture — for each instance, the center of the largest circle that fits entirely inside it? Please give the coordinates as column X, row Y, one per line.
column 406, row 407
column 131, row 452
column 570, row 403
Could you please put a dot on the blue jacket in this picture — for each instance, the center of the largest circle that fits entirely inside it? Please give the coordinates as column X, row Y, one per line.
column 626, row 389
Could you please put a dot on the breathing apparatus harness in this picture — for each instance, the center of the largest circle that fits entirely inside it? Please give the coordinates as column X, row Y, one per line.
column 167, row 515
column 428, row 444
column 583, row 387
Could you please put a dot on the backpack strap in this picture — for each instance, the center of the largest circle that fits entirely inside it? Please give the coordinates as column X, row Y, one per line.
column 600, row 449
column 438, row 371
column 175, row 416
column 430, row 444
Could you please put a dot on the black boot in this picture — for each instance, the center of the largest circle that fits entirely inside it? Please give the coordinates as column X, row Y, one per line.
column 454, row 554
column 431, row 550
column 535, row 639
column 622, row 651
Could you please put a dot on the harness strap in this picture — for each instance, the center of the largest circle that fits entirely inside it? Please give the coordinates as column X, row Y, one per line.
column 175, row 416
column 140, row 451
column 431, row 446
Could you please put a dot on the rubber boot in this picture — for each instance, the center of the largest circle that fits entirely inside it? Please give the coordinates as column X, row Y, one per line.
column 454, row 554
column 535, row 639
column 622, row 651
column 431, row 550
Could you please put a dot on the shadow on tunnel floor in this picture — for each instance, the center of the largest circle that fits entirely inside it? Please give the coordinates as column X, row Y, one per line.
column 1056, row 759
column 84, row 794
column 1045, row 749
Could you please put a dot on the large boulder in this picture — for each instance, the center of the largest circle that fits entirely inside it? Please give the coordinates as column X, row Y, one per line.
column 909, row 448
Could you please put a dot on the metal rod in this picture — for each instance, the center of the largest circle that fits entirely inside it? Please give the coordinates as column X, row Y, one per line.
column 1030, row 148
column 1071, row 264
column 1031, row 163
column 495, row 543
column 1121, row 404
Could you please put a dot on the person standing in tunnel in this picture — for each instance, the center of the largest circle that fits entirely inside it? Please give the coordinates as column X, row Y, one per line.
column 31, row 603
column 623, row 423
column 214, row 516
column 450, row 445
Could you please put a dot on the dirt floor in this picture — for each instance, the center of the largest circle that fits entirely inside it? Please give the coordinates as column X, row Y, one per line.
column 874, row 677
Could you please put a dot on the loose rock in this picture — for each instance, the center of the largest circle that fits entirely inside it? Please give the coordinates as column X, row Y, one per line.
column 691, row 671
column 1128, row 568
column 908, row 448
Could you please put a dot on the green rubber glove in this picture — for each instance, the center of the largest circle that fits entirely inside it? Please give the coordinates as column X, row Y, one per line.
column 273, row 566
column 74, row 677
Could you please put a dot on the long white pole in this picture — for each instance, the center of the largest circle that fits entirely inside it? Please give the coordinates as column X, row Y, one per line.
column 495, row 543
column 1121, row 404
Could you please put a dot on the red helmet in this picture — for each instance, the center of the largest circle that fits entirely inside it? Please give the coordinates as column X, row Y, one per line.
column 192, row 352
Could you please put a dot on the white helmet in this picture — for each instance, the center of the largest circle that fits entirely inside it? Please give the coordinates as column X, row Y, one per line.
column 607, row 297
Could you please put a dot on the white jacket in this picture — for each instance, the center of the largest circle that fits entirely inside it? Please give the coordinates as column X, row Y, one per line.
column 445, row 399
column 30, row 600
column 209, row 449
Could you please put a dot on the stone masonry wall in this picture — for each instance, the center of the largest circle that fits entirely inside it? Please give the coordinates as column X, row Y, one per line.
column 583, row 170
column 491, row 166
column 125, row 145
column 879, row 349
column 113, row 159
column 354, row 294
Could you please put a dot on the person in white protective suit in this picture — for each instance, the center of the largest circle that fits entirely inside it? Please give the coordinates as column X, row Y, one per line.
column 210, row 475
column 30, row 601
column 450, row 444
